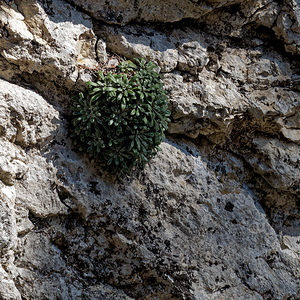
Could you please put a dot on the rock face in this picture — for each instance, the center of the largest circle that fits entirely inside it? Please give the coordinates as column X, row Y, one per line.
column 215, row 215
column 228, row 17
column 123, row 12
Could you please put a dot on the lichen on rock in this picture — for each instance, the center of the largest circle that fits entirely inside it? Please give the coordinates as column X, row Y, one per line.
column 215, row 215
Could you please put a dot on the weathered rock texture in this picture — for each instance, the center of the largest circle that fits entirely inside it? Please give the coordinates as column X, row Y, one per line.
column 216, row 215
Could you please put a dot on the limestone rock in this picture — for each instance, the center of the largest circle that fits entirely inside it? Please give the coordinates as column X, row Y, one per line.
column 123, row 12
column 12, row 163
column 162, row 206
column 287, row 26
column 208, row 109
column 185, row 51
column 47, row 41
column 280, row 166
column 8, row 289
column 171, row 230
column 8, row 224
column 26, row 118
column 214, row 216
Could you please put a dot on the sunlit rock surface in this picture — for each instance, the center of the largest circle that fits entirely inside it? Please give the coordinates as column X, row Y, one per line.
column 215, row 215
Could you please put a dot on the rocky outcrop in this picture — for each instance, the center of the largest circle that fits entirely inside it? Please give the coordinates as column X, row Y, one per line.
column 214, row 216
column 123, row 12
column 230, row 17
column 45, row 45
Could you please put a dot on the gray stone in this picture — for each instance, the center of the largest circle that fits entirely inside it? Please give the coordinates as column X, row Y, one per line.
column 183, row 50
column 287, row 26
column 123, row 12
column 8, row 289
column 7, row 219
column 45, row 49
column 280, row 165
column 215, row 215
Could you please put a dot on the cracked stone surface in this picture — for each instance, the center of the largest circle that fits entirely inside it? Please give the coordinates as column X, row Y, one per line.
column 45, row 42
column 215, row 215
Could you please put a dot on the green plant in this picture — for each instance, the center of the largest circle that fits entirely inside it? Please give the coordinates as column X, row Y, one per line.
column 121, row 118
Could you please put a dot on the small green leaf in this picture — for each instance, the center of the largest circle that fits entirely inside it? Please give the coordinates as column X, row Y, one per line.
column 120, row 96
column 109, row 89
column 121, row 118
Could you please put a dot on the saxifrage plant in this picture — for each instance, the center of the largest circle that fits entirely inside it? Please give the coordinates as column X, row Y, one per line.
column 121, row 118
